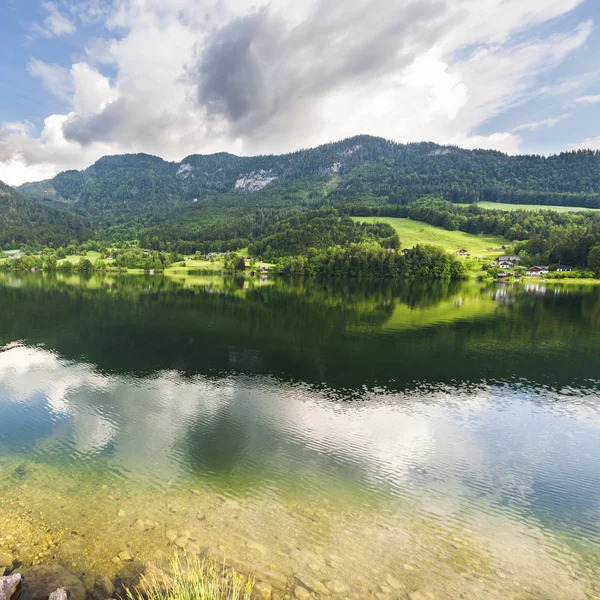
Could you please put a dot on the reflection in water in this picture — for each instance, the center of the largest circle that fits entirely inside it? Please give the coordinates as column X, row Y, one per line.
column 441, row 438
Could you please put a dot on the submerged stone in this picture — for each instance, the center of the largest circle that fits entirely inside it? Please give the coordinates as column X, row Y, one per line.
column 38, row 580
column 6, row 560
column 313, row 584
column 263, row 590
column 301, row 593
column 337, row 587
column 171, row 535
column 9, row 586
column 59, row 594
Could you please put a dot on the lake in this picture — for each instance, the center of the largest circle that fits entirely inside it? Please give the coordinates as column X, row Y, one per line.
column 362, row 440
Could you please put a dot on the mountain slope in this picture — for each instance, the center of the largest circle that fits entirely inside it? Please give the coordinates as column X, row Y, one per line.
column 214, row 195
column 23, row 221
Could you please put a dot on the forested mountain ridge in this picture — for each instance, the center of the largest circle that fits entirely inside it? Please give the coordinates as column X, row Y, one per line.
column 205, row 198
column 453, row 171
column 23, row 221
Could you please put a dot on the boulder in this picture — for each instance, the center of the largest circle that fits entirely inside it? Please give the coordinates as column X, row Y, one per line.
column 59, row 594
column 273, row 578
column 9, row 586
column 39, row 579
column 301, row 593
column 312, row 584
column 263, row 590
column 6, row 560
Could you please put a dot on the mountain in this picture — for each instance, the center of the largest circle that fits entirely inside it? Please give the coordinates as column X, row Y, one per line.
column 24, row 221
column 222, row 196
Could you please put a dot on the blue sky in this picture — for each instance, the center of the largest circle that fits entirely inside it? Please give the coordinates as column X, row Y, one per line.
column 84, row 78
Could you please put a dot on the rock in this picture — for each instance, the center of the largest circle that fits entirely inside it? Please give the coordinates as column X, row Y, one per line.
column 186, row 533
column 181, row 542
column 9, row 586
column 6, row 560
column 121, row 513
column 89, row 582
column 313, row 584
column 193, row 549
column 171, row 535
column 277, row 580
column 256, row 546
column 385, row 589
column 337, row 587
column 301, row 593
column 125, row 556
column 416, row 596
column 392, row 582
column 140, row 525
column 409, row 568
column 263, row 590
column 151, row 577
column 116, row 560
column 38, row 580
column 59, row 594
column 106, row 585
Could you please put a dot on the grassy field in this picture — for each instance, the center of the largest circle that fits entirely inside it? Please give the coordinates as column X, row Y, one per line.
column 537, row 207
column 92, row 256
column 414, row 232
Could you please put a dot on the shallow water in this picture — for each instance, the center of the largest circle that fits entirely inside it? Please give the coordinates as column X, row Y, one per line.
column 437, row 440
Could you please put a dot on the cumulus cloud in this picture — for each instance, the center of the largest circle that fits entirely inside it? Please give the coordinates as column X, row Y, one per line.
column 592, row 143
column 56, row 23
column 190, row 77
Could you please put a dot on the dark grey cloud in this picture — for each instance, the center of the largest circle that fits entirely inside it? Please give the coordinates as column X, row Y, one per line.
column 120, row 121
column 257, row 66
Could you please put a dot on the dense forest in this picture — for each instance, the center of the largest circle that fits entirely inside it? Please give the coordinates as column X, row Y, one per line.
column 24, row 221
column 319, row 229
column 369, row 259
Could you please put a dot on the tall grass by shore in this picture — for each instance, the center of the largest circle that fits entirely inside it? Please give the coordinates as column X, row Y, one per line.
column 193, row 579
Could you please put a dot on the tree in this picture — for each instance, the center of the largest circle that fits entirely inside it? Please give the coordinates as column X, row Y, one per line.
column 594, row 260
column 85, row 265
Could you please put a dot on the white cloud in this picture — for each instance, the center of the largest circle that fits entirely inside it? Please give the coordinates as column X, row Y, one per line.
column 56, row 24
column 588, row 99
column 55, row 78
column 592, row 143
column 543, row 124
column 197, row 77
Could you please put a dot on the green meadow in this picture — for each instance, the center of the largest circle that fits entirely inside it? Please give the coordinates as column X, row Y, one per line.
column 412, row 233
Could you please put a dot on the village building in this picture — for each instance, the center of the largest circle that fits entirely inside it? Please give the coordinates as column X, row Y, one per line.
column 564, row 269
column 537, row 270
column 505, row 265
column 509, row 259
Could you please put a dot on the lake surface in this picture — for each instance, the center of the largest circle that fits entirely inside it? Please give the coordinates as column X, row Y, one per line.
column 385, row 441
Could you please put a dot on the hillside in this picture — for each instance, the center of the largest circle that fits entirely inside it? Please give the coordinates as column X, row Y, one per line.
column 23, row 221
column 221, row 196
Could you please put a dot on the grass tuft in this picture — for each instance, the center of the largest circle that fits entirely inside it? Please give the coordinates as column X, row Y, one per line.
column 193, row 579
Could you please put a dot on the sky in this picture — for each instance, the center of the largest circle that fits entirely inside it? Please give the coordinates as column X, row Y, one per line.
column 80, row 79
